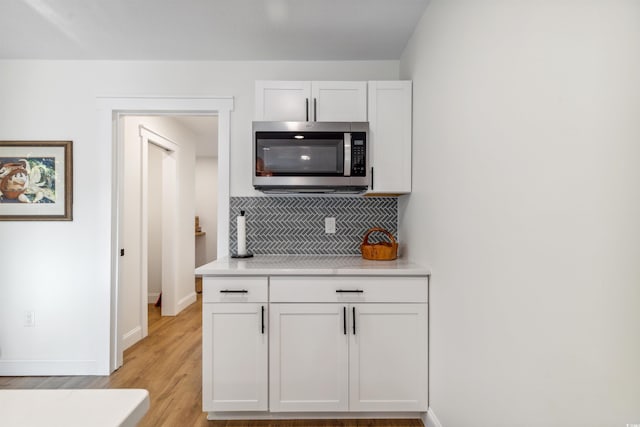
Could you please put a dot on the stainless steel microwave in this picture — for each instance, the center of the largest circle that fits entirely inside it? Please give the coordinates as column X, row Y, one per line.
column 311, row 157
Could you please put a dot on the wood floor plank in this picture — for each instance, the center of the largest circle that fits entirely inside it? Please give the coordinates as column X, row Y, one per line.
column 168, row 363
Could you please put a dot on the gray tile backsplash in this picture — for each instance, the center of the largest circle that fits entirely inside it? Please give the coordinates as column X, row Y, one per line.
column 290, row 225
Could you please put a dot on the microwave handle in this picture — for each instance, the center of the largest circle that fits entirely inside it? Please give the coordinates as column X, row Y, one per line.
column 347, row 154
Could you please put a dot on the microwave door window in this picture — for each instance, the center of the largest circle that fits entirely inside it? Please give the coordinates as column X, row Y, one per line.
column 311, row 158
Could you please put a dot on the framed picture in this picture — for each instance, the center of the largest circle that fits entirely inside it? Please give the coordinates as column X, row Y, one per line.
column 36, row 180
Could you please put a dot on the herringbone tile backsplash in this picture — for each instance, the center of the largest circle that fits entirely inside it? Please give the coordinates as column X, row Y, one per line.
column 295, row 225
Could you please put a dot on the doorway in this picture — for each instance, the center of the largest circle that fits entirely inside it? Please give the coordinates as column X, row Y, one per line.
column 154, row 225
column 158, row 204
column 110, row 113
column 149, row 225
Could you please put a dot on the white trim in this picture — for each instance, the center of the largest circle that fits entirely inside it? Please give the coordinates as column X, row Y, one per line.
column 132, row 337
column 430, row 420
column 144, row 233
column 24, row 368
column 250, row 415
column 186, row 301
column 224, row 165
column 169, row 225
column 157, row 139
column 109, row 109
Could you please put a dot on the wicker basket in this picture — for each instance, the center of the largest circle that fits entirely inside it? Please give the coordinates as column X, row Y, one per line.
column 381, row 251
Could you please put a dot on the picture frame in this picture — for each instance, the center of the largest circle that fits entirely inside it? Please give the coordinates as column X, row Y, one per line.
column 36, row 180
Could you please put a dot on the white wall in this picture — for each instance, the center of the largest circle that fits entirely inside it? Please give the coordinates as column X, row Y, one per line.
column 154, row 201
column 207, row 208
column 526, row 207
column 61, row 270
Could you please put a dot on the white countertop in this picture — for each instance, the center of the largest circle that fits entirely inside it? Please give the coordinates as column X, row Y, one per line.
column 316, row 265
column 73, row 408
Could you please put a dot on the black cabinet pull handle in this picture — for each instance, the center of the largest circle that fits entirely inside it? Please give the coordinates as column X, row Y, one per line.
column 354, row 320
column 306, row 102
column 234, row 291
column 263, row 319
column 346, row 291
column 315, row 110
column 344, row 320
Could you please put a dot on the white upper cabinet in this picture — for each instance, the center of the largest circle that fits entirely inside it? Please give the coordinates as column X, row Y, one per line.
column 386, row 105
column 328, row 101
column 282, row 101
column 339, row 101
column 390, row 129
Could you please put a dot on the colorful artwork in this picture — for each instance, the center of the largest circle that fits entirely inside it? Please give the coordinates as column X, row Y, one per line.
column 31, row 180
column 35, row 180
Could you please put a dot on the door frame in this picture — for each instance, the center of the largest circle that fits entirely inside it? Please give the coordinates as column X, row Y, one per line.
column 110, row 111
column 169, row 226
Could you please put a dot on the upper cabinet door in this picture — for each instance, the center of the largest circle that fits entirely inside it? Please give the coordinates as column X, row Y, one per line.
column 339, row 101
column 303, row 101
column 283, row 101
column 390, row 136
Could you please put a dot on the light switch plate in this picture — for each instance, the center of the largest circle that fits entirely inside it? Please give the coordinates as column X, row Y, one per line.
column 29, row 319
column 330, row 225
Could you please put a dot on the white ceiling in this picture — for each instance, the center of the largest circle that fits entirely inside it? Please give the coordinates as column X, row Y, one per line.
column 207, row 29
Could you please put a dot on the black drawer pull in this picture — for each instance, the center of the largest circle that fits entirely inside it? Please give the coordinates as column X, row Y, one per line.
column 234, row 291
column 346, row 291
column 263, row 319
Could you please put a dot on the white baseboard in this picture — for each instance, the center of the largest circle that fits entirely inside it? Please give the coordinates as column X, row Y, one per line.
column 186, row 301
column 26, row 368
column 152, row 297
column 260, row 415
column 430, row 420
column 131, row 337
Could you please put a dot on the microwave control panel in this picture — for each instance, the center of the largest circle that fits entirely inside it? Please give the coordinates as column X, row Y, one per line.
column 358, row 154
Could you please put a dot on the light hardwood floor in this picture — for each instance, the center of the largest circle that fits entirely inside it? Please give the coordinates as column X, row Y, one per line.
column 168, row 363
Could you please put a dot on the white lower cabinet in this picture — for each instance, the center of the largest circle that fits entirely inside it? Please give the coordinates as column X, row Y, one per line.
column 308, row 358
column 352, row 355
column 388, row 358
column 320, row 344
column 341, row 357
column 235, row 351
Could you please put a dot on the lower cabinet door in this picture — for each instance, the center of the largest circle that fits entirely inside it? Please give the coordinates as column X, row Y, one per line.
column 234, row 362
column 388, row 357
column 308, row 357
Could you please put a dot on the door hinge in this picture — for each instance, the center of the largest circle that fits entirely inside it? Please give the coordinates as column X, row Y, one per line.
column 121, row 252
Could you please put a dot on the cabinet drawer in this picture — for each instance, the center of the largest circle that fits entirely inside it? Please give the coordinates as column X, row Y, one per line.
column 234, row 289
column 348, row 289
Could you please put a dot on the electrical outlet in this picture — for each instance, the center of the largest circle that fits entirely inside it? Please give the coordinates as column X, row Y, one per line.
column 330, row 225
column 29, row 319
